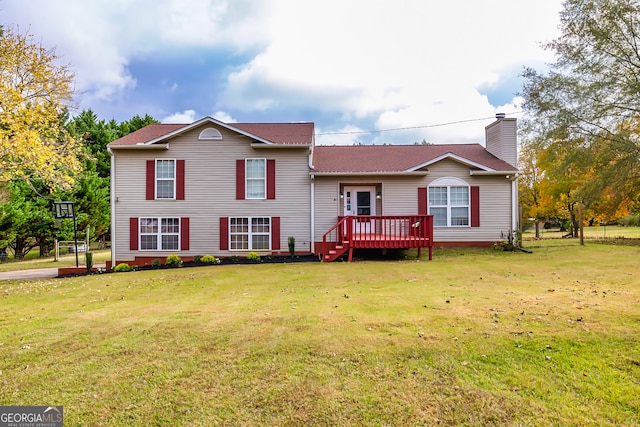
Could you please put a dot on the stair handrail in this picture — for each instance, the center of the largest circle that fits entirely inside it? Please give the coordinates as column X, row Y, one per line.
column 339, row 230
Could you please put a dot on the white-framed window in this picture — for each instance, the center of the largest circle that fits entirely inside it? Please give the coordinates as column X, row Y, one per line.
column 256, row 178
column 159, row 234
column 449, row 203
column 165, row 179
column 249, row 233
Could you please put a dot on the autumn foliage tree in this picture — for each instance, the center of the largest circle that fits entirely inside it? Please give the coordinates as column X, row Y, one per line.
column 35, row 92
column 534, row 186
column 584, row 113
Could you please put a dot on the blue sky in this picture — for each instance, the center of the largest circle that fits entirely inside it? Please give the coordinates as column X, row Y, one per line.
column 349, row 66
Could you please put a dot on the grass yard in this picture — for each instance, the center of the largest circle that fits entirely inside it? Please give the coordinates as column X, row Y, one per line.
column 474, row 337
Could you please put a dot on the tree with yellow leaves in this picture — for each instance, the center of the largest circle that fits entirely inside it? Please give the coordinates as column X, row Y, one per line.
column 35, row 92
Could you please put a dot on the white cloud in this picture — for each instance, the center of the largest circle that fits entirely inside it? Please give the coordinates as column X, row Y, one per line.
column 407, row 63
column 184, row 117
column 348, row 135
column 223, row 117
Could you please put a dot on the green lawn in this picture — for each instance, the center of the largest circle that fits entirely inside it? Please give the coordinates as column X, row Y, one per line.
column 474, row 337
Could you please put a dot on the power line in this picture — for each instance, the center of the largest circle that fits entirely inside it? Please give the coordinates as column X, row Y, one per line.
column 413, row 127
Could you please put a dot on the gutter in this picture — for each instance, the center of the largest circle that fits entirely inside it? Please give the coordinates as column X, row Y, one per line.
column 263, row 145
column 140, row 146
column 507, row 174
column 398, row 173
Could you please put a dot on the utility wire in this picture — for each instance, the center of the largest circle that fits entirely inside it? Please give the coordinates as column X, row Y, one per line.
column 413, row 127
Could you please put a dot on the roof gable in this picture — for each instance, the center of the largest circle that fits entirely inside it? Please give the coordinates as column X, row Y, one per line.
column 295, row 134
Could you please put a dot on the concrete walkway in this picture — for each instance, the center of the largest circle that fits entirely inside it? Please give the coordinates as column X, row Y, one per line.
column 36, row 273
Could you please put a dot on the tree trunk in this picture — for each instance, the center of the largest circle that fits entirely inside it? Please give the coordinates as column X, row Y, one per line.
column 45, row 245
column 574, row 221
column 20, row 248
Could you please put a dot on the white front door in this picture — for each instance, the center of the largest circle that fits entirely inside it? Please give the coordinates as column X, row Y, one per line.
column 360, row 201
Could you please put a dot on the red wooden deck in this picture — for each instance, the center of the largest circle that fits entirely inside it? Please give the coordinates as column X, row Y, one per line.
column 377, row 232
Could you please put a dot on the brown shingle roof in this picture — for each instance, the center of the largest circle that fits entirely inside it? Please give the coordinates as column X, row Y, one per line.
column 280, row 133
column 277, row 133
column 147, row 133
column 398, row 158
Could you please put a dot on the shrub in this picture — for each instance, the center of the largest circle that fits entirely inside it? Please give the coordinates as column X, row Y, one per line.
column 88, row 256
column 197, row 258
column 253, row 256
column 122, row 268
column 511, row 240
column 631, row 220
column 292, row 246
column 174, row 261
column 156, row 263
column 209, row 259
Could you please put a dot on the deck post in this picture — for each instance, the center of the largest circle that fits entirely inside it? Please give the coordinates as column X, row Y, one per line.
column 350, row 253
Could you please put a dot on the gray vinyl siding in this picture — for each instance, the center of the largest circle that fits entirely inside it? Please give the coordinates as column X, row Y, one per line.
column 400, row 197
column 210, row 192
column 502, row 141
column 495, row 205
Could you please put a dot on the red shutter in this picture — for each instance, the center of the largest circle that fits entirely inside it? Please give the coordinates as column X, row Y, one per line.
column 275, row 233
column 224, row 233
column 271, row 179
column 475, row 206
column 179, row 179
column 133, row 234
column 184, row 234
column 422, row 201
column 151, row 179
column 240, row 180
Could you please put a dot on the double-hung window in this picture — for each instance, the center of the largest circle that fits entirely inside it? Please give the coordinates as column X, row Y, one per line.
column 159, row 234
column 250, row 233
column 449, row 204
column 256, row 176
column 165, row 179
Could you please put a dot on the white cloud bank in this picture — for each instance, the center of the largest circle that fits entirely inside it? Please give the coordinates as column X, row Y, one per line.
column 383, row 63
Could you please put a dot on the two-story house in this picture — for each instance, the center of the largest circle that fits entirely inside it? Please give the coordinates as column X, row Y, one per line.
column 230, row 188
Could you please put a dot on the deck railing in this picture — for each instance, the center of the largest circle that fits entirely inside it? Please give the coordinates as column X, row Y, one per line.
column 380, row 231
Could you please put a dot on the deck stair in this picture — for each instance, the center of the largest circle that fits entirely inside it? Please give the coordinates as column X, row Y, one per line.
column 336, row 252
column 380, row 231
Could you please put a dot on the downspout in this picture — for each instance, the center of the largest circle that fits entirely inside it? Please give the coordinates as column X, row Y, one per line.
column 514, row 203
column 312, row 188
column 113, row 206
column 313, row 214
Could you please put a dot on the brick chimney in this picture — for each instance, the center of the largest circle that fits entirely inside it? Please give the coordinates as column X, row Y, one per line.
column 501, row 141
